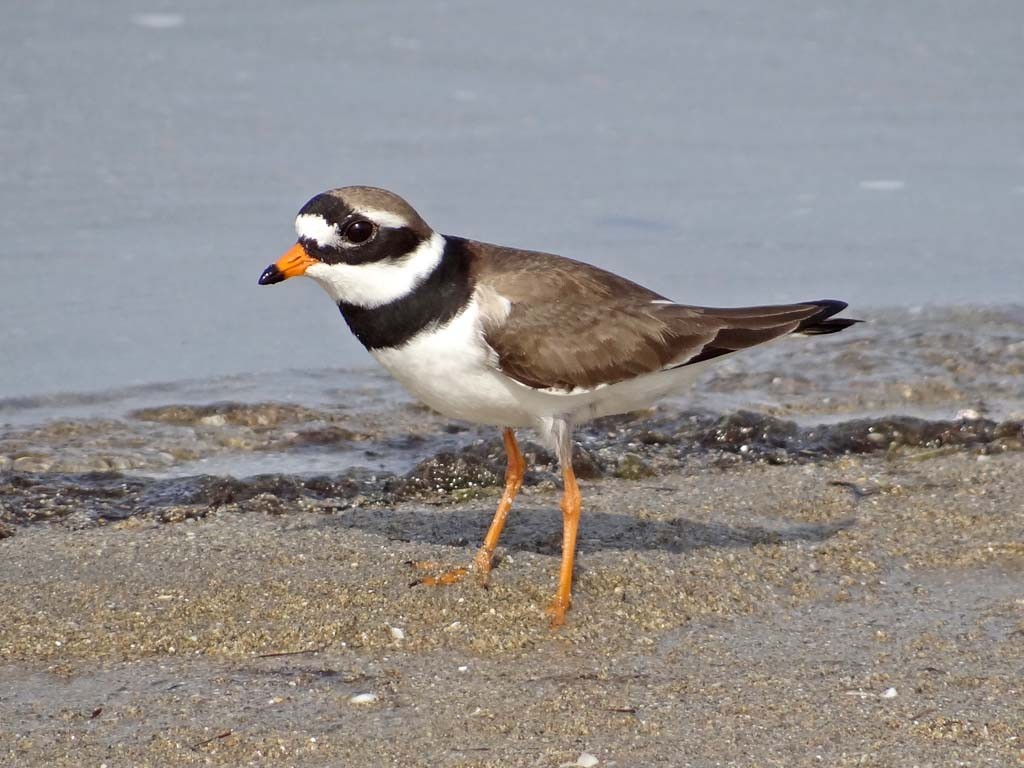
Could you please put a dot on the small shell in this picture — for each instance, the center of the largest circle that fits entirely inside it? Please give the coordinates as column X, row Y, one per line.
column 363, row 698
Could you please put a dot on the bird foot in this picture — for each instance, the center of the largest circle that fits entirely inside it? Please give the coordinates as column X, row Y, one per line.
column 446, row 575
column 443, row 576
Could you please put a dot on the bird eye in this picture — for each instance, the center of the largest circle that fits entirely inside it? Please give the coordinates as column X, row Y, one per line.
column 359, row 231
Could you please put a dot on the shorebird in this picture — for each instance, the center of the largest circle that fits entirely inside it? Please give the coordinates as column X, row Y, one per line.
column 513, row 338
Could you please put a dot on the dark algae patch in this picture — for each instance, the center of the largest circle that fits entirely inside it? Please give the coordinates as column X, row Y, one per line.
column 623, row 446
column 447, row 472
column 81, row 498
column 769, row 437
column 633, row 447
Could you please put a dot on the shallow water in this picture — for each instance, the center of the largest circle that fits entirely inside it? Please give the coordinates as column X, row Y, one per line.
column 152, row 160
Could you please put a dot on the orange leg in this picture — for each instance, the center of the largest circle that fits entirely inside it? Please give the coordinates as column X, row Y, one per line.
column 513, row 482
column 570, row 524
column 485, row 555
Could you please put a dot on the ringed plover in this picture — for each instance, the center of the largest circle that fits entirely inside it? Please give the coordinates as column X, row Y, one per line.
column 514, row 338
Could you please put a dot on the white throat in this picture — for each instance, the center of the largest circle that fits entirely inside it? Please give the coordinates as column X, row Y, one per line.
column 376, row 283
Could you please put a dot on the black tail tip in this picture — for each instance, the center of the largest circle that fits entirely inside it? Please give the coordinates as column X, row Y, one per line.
column 823, row 322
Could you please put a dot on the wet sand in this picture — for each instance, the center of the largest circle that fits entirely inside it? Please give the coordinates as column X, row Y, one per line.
column 858, row 611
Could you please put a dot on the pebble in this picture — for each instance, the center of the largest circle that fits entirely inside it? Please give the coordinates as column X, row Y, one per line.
column 585, row 760
column 363, row 698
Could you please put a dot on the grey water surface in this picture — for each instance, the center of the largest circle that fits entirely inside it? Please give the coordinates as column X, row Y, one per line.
column 153, row 155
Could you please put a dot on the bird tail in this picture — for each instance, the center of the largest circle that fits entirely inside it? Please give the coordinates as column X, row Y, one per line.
column 822, row 321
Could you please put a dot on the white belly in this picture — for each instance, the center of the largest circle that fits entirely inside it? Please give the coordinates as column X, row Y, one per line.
column 453, row 371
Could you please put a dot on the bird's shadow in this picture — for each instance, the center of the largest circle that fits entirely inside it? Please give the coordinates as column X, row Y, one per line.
column 539, row 529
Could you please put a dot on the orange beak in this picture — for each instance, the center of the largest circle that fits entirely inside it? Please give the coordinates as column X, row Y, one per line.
column 295, row 262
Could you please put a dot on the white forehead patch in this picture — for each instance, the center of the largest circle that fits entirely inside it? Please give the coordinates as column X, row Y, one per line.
column 381, row 218
column 313, row 226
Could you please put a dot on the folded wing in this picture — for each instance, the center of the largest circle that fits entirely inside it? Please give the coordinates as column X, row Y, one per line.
column 573, row 326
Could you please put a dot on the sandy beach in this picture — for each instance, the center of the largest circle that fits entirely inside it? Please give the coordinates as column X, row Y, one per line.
column 859, row 610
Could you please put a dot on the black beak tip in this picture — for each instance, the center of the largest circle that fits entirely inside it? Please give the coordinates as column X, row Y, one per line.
column 271, row 275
